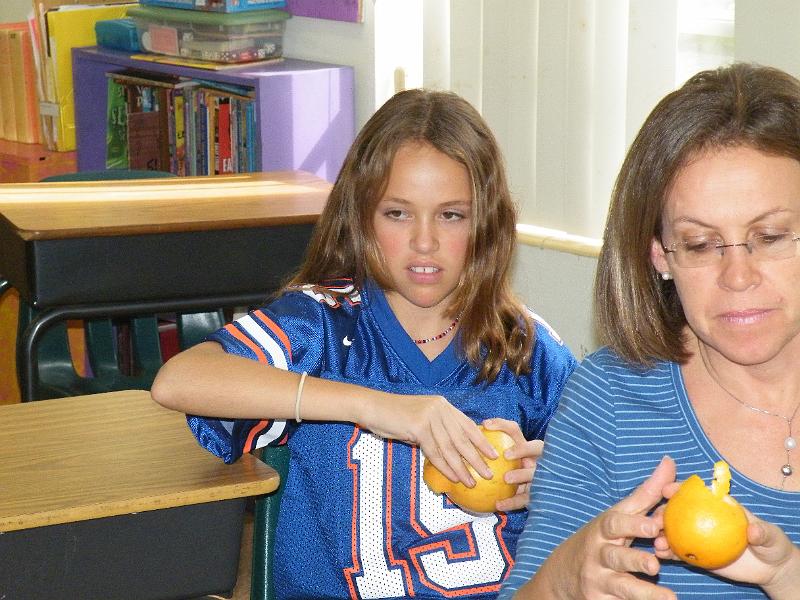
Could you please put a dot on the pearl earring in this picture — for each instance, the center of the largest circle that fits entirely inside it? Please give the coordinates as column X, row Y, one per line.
column 666, row 275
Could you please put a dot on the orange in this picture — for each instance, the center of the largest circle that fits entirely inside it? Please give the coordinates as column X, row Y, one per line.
column 483, row 497
column 706, row 527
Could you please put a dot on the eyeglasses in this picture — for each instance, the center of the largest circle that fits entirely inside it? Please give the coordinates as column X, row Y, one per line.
column 705, row 251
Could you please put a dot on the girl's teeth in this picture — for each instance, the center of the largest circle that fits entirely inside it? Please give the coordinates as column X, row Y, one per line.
column 424, row 269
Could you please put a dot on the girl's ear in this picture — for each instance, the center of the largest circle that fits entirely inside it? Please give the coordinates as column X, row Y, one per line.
column 658, row 257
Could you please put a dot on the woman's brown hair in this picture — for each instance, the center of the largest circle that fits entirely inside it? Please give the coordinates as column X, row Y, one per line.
column 494, row 326
column 638, row 314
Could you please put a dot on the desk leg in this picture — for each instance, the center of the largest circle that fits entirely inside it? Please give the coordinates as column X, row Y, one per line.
column 27, row 343
column 27, row 357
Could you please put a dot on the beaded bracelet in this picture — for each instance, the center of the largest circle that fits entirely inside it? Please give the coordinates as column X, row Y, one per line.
column 299, row 396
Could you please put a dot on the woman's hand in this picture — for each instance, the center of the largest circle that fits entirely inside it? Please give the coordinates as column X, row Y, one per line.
column 770, row 561
column 446, row 435
column 597, row 562
column 526, row 450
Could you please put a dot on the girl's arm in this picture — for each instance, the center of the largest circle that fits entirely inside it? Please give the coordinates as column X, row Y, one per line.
column 207, row 380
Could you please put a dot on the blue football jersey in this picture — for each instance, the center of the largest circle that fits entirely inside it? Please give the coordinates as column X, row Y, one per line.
column 356, row 519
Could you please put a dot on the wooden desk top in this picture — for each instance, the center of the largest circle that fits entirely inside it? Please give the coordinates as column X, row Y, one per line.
column 87, row 457
column 104, row 208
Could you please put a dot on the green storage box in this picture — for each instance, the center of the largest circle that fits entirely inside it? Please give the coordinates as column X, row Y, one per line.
column 218, row 37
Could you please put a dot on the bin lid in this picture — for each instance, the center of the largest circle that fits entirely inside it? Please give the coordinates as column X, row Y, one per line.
column 201, row 17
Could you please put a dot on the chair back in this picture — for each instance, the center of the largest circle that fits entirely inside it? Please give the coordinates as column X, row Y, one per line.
column 265, row 521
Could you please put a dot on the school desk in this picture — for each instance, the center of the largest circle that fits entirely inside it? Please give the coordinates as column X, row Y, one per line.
column 110, row 496
column 77, row 250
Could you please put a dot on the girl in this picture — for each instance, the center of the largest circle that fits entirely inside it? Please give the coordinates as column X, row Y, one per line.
column 397, row 336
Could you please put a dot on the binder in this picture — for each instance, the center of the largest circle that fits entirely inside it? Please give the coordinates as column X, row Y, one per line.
column 23, row 76
column 68, row 27
column 7, row 104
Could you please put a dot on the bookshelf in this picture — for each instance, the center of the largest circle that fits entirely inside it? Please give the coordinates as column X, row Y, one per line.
column 305, row 110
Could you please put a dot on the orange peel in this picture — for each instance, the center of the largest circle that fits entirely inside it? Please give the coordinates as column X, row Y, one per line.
column 706, row 527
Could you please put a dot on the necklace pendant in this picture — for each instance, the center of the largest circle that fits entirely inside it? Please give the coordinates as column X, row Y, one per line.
column 790, row 443
column 786, row 470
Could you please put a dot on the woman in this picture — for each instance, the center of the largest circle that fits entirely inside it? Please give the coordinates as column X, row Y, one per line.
column 697, row 300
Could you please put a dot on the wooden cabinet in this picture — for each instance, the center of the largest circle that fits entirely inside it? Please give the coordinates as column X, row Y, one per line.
column 305, row 110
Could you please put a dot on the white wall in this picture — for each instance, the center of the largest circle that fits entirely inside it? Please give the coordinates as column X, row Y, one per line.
column 380, row 69
column 767, row 33
column 340, row 43
column 12, row 11
column 557, row 286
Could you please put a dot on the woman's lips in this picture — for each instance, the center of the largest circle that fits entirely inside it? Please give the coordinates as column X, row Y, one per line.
column 745, row 317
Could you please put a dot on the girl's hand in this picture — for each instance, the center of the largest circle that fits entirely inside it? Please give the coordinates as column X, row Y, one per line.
column 598, row 562
column 446, row 435
column 527, row 450
column 771, row 560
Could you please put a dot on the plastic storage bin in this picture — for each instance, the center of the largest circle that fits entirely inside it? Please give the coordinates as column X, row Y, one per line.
column 217, row 5
column 218, row 37
column 120, row 34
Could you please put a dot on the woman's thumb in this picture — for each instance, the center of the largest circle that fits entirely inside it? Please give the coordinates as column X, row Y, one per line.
column 649, row 493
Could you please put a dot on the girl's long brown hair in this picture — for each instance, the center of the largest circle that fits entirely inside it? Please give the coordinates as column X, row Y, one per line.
column 494, row 327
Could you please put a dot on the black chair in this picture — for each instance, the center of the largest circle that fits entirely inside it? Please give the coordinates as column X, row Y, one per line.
column 114, row 363
column 265, row 519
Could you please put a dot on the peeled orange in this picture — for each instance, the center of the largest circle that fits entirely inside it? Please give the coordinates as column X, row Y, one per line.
column 483, row 497
column 706, row 527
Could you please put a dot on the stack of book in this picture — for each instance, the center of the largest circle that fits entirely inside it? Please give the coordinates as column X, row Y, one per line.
column 19, row 106
column 180, row 125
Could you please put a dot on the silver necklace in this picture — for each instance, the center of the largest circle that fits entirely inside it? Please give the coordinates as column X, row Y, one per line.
column 789, row 443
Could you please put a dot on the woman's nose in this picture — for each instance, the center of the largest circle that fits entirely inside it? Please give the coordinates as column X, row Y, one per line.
column 740, row 269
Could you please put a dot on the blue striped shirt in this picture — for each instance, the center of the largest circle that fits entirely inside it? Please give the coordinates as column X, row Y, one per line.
column 612, row 428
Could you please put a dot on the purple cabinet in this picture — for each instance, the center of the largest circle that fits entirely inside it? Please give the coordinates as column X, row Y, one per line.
column 305, row 111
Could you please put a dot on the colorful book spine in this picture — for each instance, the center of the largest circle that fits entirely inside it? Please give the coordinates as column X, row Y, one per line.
column 224, row 135
column 201, row 125
column 116, row 126
column 180, row 132
column 191, row 135
column 235, row 138
column 254, row 148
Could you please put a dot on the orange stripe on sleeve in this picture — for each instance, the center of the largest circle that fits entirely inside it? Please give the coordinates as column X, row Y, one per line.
column 276, row 330
column 234, row 331
column 261, row 426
